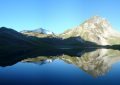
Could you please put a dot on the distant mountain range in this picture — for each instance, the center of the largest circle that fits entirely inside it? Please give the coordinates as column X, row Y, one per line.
column 93, row 32
column 39, row 30
column 96, row 29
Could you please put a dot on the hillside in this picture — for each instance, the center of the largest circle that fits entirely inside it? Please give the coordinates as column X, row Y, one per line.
column 13, row 42
column 96, row 29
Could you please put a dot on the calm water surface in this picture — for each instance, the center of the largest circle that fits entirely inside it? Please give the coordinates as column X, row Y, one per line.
column 101, row 67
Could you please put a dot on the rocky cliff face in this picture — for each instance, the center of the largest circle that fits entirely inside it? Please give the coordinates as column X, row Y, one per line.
column 95, row 29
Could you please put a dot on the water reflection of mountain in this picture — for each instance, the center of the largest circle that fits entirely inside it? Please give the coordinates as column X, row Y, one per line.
column 95, row 63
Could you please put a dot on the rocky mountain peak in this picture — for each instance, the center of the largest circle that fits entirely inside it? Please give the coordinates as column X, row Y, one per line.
column 95, row 29
column 96, row 22
column 96, row 19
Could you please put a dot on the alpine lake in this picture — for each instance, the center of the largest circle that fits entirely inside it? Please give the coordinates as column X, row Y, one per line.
column 96, row 67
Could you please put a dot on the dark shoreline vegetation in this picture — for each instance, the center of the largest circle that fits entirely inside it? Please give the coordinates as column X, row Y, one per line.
column 15, row 46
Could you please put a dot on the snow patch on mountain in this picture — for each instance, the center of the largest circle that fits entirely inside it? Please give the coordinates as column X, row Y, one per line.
column 39, row 30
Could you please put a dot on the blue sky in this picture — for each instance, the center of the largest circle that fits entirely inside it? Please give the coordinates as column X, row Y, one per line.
column 56, row 15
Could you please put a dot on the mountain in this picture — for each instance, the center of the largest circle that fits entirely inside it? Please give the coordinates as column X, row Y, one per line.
column 96, row 29
column 39, row 30
column 13, row 42
column 40, row 33
column 11, row 37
